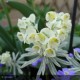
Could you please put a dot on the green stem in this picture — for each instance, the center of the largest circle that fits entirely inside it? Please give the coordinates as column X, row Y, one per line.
column 8, row 18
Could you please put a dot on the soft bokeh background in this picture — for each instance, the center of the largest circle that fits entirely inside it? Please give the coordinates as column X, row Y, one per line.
column 58, row 5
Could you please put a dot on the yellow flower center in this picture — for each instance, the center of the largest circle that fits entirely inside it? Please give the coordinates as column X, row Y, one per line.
column 41, row 37
column 52, row 16
column 32, row 36
column 49, row 52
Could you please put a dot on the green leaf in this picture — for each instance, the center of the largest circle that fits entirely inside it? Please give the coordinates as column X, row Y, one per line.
column 29, row 62
column 55, row 62
column 6, row 37
column 73, row 62
column 30, row 2
column 62, row 61
column 2, row 14
column 24, row 9
column 41, row 68
column 52, row 68
column 77, row 29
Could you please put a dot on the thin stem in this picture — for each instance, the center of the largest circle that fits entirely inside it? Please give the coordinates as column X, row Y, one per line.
column 73, row 26
column 8, row 18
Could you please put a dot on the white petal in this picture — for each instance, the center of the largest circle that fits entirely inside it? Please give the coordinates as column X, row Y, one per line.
column 50, row 16
column 32, row 18
column 47, row 32
column 20, row 36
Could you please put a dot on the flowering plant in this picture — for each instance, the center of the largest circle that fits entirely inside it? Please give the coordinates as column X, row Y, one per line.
column 46, row 43
column 39, row 42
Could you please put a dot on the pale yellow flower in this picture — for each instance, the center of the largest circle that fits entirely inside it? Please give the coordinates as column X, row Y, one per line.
column 41, row 37
column 36, row 48
column 50, row 16
column 21, row 36
column 6, row 58
column 31, row 38
column 49, row 52
column 32, row 18
column 53, row 42
column 62, row 34
column 67, row 25
column 47, row 32
column 66, row 16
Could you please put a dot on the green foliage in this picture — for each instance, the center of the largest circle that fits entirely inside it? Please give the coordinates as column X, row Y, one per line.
column 6, row 38
column 77, row 29
column 22, row 8
column 2, row 15
column 26, row 10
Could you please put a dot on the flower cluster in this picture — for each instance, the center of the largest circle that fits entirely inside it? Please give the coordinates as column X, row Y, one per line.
column 47, row 42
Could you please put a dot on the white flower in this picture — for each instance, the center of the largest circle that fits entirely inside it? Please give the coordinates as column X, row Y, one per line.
column 50, row 16
column 30, row 30
column 36, row 48
column 51, row 25
column 32, row 18
column 47, row 43
column 14, row 62
column 22, row 25
column 41, row 37
column 49, row 52
column 21, row 36
column 6, row 58
column 31, row 38
column 47, row 32
column 62, row 34
column 27, row 23
column 53, row 42
column 65, row 16
column 67, row 25
column 60, row 15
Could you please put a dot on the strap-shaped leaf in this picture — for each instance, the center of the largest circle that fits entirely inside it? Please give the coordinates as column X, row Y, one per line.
column 19, row 69
column 14, row 70
column 76, row 54
column 42, row 68
column 6, row 37
column 52, row 68
column 13, row 56
column 24, row 9
column 62, row 53
column 21, row 62
column 76, row 69
column 62, row 61
column 29, row 62
column 55, row 62
column 26, row 55
column 73, row 62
